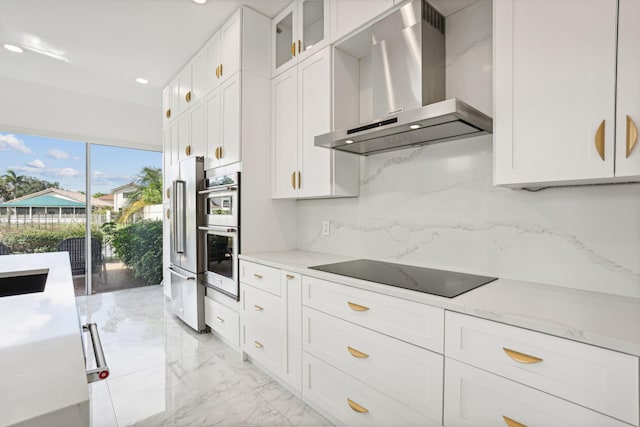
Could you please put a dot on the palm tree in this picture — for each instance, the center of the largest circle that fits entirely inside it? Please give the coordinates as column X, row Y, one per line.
column 149, row 192
column 14, row 181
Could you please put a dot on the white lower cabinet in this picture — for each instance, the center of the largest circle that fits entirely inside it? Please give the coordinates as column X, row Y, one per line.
column 347, row 401
column 223, row 321
column 477, row 398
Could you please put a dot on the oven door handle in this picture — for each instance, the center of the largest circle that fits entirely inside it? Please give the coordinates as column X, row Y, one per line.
column 219, row 189
column 216, row 228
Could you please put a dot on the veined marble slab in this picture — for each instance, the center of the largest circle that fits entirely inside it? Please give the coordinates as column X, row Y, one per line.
column 44, row 379
column 608, row 321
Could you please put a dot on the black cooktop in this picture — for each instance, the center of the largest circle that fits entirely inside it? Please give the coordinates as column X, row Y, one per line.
column 443, row 283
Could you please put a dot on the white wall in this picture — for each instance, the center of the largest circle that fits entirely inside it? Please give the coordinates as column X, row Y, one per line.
column 436, row 206
column 41, row 110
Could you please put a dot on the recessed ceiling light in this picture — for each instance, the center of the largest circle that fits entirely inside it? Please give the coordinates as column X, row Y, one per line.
column 142, row 81
column 349, row 141
column 414, row 127
column 13, row 48
column 200, row 1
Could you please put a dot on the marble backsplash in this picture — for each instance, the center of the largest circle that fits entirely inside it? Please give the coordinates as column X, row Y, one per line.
column 436, row 206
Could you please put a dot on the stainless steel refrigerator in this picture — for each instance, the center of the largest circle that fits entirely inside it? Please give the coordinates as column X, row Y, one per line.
column 187, row 292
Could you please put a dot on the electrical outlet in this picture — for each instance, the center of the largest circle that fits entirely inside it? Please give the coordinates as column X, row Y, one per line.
column 325, row 228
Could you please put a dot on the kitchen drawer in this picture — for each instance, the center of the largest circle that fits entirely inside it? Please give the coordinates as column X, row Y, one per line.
column 474, row 397
column 260, row 276
column 334, row 391
column 224, row 321
column 263, row 344
column 604, row 380
column 260, row 307
column 416, row 323
column 407, row 373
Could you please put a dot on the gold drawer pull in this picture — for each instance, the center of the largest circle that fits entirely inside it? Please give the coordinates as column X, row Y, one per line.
column 290, row 276
column 512, row 423
column 632, row 135
column 357, row 353
column 357, row 307
column 257, row 344
column 219, row 319
column 257, row 276
column 600, row 140
column 521, row 357
column 187, row 97
column 359, row 409
column 168, row 113
column 258, row 308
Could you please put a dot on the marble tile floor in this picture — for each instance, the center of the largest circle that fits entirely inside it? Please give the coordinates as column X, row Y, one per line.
column 165, row 374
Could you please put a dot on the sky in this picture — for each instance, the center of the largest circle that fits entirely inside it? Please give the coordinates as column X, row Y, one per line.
column 63, row 161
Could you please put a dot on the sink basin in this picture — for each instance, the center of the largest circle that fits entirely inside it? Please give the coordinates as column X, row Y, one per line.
column 23, row 282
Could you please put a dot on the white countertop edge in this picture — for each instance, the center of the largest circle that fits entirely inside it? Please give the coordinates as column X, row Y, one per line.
column 608, row 321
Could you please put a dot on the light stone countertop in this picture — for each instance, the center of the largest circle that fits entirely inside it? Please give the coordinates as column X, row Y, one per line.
column 41, row 357
column 603, row 320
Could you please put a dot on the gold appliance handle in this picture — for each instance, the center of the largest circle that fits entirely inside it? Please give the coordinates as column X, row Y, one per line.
column 357, row 307
column 512, row 423
column 600, row 140
column 359, row 409
column 357, row 353
column 632, row 135
column 521, row 357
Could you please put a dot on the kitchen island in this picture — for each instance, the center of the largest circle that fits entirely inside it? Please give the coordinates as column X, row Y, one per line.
column 42, row 361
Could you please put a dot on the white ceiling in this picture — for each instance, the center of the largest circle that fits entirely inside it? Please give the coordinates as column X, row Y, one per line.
column 108, row 43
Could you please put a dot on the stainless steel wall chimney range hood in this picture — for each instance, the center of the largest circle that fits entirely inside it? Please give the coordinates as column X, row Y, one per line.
column 408, row 85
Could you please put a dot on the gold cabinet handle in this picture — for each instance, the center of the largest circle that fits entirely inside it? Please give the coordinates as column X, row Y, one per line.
column 357, row 353
column 511, row 422
column 293, row 49
column 168, row 214
column 216, row 153
column 168, row 193
column 357, row 307
column 258, row 308
column 290, row 276
column 632, row 135
column 220, row 152
column 299, row 180
column 168, row 113
column 257, row 276
column 258, row 344
column 600, row 140
column 220, row 319
column 187, row 97
column 218, row 71
column 358, row 408
column 187, row 150
column 293, row 180
column 521, row 357
column 299, row 47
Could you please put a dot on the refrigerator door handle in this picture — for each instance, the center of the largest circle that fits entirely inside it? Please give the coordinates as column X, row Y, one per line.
column 172, row 271
column 179, row 214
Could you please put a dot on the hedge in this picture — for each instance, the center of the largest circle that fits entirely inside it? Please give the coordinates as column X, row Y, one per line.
column 35, row 240
column 139, row 246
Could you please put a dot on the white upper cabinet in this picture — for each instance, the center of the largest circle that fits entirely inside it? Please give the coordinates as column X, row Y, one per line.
column 555, row 92
column 166, row 105
column 230, row 47
column 627, row 162
column 301, row 109
column 297, row 32
column 347, row 15
column 184, row 88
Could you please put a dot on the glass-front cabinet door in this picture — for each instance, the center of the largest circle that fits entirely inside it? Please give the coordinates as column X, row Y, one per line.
column 313, row 26
column 284, row 33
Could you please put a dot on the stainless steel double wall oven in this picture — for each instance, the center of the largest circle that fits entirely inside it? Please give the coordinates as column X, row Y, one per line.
column 220, row 231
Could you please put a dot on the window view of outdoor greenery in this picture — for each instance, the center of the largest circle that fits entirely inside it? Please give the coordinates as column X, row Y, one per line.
column 44, row 208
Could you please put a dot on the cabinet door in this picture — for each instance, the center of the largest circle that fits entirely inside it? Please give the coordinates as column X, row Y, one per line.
column 314, row 118
column 230, row 47
column 175, row 145
column 174, row 95
column 347, row 15
column 166, row 105
column 313, row 27
column 213, row 141
column 184, row 136
column 292, row 330
column 230, row 120
column 166, row 159
column 213, row 60
column 184, row 80
column 284, row 39
column 554, row 90
column 201, row 78
column 628, row 97
column 284, row 134
column 198, row 123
